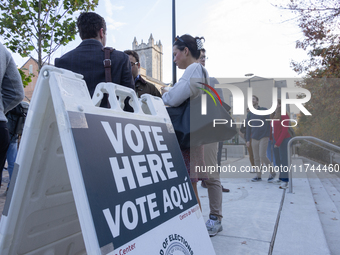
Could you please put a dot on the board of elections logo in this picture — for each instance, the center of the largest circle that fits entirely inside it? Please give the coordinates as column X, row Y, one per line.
column 177, row 249
column 176, row 244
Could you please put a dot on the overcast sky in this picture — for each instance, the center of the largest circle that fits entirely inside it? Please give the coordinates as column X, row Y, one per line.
column 244, row 36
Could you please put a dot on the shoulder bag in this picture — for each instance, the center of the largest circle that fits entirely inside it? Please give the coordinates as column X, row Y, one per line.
column 194, row 129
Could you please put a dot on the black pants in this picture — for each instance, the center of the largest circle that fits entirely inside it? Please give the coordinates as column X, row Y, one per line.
column 4, row 143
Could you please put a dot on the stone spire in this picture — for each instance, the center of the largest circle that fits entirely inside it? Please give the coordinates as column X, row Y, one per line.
column 134, row 44
column 151, row 40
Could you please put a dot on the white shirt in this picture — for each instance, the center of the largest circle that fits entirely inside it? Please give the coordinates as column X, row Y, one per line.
column 185, row 88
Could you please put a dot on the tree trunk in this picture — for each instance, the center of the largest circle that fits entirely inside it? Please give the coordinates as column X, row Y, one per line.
column 39, row 37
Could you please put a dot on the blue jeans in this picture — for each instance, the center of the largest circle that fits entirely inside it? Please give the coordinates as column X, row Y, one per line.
column 11, row 156
column 270, row 151
column 281, row 156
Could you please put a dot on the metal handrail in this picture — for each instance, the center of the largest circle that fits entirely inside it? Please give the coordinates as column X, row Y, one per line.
column 322, row 147
column 290, row 186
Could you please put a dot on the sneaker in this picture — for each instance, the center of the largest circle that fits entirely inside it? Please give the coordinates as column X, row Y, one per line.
column 213, row 225
column 256, row 179
column 203, row 184
column 271, row 177
column 284, row 185
column 278, row 182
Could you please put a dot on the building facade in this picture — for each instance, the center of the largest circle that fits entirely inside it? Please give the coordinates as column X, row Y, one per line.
column 30, row 67
column 151, row 60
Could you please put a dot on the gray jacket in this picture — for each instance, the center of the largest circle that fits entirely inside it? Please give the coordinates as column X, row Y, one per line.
column 12, row 90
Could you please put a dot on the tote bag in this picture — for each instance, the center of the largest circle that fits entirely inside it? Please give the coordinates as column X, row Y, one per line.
column 194, row 129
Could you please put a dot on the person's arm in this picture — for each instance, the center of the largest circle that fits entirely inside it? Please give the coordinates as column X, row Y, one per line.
column 284, row 131
column 248, row 128
column 182, row 90
column 156, row 92
column 248, row 132
column 177, row 94
column 12, row 89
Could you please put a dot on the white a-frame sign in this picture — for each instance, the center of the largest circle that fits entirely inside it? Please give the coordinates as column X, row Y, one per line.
column 90, row 180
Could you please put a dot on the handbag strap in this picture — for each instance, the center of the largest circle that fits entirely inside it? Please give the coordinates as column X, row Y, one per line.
column 107, row 66
column 107, row 63
column 205, row 75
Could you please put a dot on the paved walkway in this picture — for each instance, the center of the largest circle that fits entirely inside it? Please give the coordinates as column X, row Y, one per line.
column 2, row 190
column 261, row 218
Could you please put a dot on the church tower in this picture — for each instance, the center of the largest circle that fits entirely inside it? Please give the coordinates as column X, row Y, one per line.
column 150, row 57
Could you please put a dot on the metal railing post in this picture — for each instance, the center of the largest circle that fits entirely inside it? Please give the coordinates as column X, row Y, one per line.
column 331, row 158
column 334, row 147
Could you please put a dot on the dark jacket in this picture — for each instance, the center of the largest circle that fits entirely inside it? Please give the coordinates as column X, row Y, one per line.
column 87, row 59
column 257, row 132
column 144, row 87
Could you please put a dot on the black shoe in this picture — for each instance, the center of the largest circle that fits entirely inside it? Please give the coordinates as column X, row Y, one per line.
column 256, row 179
column 225, row 190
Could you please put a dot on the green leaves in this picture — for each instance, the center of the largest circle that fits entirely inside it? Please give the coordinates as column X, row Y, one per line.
column 25, row 33
column 323, row 106
column 26, row 79
column 319, row 22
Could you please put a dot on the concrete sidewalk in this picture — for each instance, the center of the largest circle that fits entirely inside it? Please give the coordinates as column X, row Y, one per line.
column 2, row 191
column 261, row 218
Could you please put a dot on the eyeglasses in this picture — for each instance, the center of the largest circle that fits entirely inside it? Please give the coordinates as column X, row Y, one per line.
column 133, row 64
column 203, row 58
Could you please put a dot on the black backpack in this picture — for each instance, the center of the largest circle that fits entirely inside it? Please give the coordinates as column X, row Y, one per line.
column 16, row 119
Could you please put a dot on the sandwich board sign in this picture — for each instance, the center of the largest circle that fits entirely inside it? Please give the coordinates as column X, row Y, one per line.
column 91, row 180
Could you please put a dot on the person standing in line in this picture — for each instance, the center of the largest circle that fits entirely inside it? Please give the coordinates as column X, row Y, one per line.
column 141, row 86
column 259, row 135
column 213, row 82
column 271, row 142
column 213, row 183
column 88, row 58
column 186, row 50
column 12, row 93
column 282, row 137
column 249, row 148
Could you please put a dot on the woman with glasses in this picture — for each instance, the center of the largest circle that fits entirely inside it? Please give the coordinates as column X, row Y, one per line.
column 186, row 50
